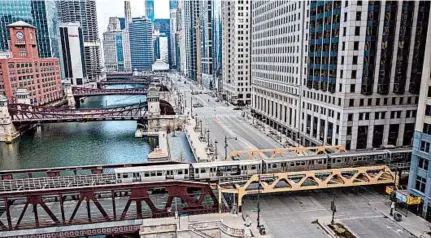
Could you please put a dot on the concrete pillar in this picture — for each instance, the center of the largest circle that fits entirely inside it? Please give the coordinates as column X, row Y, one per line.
column 22, row 96
column 8, row 131
column 69, row 95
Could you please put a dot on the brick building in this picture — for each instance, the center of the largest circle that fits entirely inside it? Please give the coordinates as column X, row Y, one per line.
column 22, row 68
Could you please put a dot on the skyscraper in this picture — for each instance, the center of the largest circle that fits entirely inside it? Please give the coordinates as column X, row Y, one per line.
column 190, row 31
column 345, row 76
column 113, row 47
column 420, row 176
column 84, row 12
column 173, row 30
column 42, row 14
column 127, row 13
column 149, row 9
column 141, row 48
column 173, row 4
column 72, row 53
column 126, row 37
column 236, row 50
column 207, row 43
column 164, row 27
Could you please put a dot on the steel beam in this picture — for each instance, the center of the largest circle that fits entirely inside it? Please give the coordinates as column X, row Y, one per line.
column 310, row 180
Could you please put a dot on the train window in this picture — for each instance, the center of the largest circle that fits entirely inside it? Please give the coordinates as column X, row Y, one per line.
column 180, row 172
column 196, row 171
column 118, row 175
column 292, row 164
column 354, row 159
column 125, row 175
column 253, row 167
column 274, row 166
column 302, row 162
column 159, row 173
column 147, row 174
column 186, row 171
column 153, row 173
column 298, row 163
column 338, row 161
column 202, row 170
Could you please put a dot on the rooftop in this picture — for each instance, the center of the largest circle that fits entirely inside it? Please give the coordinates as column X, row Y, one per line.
column 21, row 24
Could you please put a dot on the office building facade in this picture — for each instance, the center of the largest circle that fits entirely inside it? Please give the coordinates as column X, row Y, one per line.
column 72, row 54
column 191, row 32
column 113, row 46
column 338, row 72
column 84, row 12
column 420, row 175
column 164, row 28
column 141, row 47
column 149, row 10
column 41, row 77
column 126, row 37
column 173, row 30
column 42, row 14
column 236, row 50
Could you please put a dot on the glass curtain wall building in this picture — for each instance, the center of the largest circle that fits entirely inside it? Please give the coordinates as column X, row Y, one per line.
column 149, row 9
column 41, row 14
column 141, row 47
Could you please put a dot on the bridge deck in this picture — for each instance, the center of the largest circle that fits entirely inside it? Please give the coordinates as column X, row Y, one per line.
column 31, row 184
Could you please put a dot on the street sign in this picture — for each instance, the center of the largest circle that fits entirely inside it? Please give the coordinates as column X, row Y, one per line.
column 401, row 197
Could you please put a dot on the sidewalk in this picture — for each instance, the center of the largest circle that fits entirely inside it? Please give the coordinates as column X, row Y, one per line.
column 412, row 223
column 197, row 146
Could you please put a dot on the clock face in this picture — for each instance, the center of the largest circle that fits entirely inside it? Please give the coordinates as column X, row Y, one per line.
column 19, row 35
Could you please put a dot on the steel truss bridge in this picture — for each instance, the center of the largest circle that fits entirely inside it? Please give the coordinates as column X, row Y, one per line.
column 91, row 194
column 101, row 201
column 85, row 92
column 304, row 180
column 128, row 81
column 28, row 113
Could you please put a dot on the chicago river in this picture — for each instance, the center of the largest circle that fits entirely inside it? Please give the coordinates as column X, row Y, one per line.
column 73, row 143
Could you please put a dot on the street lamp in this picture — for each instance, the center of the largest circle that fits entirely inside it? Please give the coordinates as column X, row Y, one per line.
column 208, row 137
column 225, row 144
column 333, row 209
column 201, row 127
column 215, row 149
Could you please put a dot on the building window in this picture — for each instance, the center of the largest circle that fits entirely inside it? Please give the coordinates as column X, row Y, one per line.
column 357, row 31
column 427, row 128
column 356, row 45
column 423, row 163
column 428, row 110
column 420, row 184
column 425, row 146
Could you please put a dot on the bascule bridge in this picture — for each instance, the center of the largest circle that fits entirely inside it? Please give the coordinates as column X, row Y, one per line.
column 156, row 114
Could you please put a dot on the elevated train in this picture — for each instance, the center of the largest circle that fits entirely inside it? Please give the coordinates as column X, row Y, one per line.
column 213, row 171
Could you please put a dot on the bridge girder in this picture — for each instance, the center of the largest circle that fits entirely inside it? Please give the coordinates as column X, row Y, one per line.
column 192, row 195
column 85, row 92
column 28, row 113
column 281, row 152
column 306, row 180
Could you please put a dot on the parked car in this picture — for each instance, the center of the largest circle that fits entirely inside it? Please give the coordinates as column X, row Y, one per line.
column 197, row 105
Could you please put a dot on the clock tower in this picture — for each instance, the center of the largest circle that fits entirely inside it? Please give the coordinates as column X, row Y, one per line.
column 23, row 42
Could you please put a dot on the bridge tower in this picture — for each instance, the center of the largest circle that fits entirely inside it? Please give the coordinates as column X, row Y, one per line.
column 22, row 96
column 69, row 95
column 8, row 131
column 153, row 99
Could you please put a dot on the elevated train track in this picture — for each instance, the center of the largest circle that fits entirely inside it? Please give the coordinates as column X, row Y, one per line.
column 279, row 170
